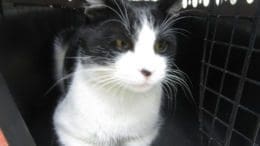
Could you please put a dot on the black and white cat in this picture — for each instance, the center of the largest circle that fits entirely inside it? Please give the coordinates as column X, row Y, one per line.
column 118, row 64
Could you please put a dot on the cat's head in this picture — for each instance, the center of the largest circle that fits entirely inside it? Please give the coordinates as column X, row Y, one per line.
column 129, row 45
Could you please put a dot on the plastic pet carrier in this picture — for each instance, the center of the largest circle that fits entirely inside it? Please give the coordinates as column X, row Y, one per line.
column 230, row 84
column 220, row 54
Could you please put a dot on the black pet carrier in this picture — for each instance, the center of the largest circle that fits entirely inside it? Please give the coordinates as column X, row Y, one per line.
column 230, row 83
column 221, row 55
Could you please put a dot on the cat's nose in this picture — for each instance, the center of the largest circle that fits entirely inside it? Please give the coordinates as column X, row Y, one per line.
column 146, row 72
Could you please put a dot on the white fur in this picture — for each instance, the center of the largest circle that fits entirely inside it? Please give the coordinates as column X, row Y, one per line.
column 111, row 114
column 129, row 65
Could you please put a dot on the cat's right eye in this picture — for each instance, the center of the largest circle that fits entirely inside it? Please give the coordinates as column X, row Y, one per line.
column 121, row 44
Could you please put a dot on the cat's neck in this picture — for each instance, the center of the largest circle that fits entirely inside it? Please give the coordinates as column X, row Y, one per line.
column 84, row 92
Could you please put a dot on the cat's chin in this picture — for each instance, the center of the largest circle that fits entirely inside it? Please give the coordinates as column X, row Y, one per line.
column 140, row 88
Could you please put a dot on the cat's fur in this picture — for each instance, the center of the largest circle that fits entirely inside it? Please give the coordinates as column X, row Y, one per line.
column 114, row 95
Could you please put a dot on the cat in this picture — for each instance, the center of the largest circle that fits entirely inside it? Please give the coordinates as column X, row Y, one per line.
column 117, row 65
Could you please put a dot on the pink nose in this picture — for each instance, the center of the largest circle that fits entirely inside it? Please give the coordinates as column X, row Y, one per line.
column 146, row 73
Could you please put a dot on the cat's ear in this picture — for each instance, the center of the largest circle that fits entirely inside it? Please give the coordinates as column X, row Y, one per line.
column 96, row 6
column 170, row 6
column 93, row 4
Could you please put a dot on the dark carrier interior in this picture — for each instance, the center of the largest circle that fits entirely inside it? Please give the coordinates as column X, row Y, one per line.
column 220, row 53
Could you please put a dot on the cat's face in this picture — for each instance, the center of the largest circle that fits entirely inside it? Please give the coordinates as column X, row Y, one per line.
column 127, row 46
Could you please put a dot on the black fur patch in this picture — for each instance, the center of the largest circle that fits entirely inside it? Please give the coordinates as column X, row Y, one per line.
column 94, row 40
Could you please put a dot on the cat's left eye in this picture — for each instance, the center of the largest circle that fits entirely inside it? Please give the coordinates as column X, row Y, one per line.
column 160, row 46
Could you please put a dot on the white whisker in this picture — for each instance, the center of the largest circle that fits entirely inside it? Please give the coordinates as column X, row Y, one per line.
column 59, row 82
column 119, row 14
column 179, row 78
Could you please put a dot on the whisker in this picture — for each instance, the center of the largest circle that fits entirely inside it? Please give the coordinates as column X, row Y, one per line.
column 119, row 14
column 172, row 21
column 58, row 82
column 181, row 81
column 181, row 30
column 77, row 57
column 104, row 83
column 190, row 10
column 112, row 20
column 171, row 32
column 167, row 89
column 126, row 13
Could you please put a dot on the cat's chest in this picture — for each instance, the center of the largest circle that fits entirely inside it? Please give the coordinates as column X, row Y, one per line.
column 115, row 107
column 104, row 115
